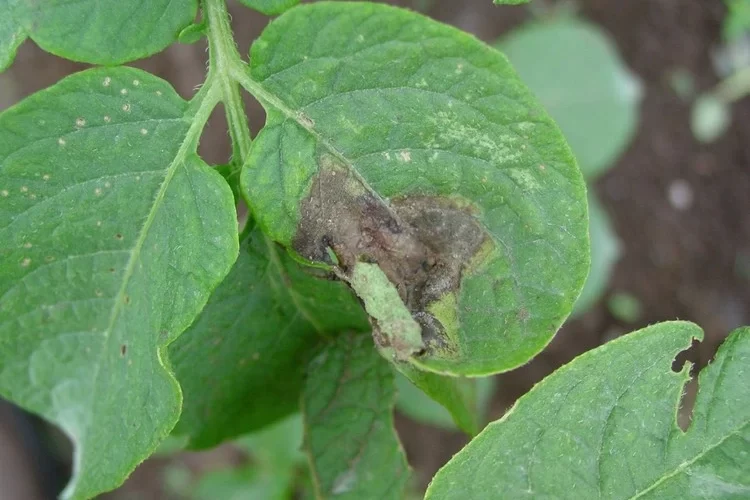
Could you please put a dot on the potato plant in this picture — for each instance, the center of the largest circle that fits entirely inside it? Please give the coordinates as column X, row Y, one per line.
column 414, row 209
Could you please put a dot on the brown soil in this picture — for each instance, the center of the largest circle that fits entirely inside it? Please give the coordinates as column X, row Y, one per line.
column 689, row 264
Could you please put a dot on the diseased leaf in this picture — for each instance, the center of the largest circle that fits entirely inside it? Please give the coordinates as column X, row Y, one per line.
column 270, row 7
column 12, row 34
column 509, row 2
column 575, row 70
column 604, row 426
column 112, row 235
column 347, row 408
column 241, row 364
column 395, row 140
column 100, row 31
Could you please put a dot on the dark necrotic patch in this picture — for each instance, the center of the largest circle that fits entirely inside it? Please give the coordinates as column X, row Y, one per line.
column 422, row 243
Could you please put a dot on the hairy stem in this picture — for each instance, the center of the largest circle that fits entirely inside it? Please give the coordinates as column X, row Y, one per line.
column 223, row 56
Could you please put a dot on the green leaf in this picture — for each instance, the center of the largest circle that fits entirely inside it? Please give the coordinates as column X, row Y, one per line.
column 474, row 398
column 347, row 406
column 12, row 34
column 98, row 31
column 575, row 70
column 113, row 233
column 393, row 139
column 270, row 7
column 241, row 364
column 605, row 250
column 604, row 426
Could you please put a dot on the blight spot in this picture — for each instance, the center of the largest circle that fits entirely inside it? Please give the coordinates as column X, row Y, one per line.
column 144, row 131
column 45, row 177
column 61, row 141
column 98, row 191
column 107, row 81
column 27, row 245
column 24, row 189
column 80, row 122
column 405, row 156
column 107, row 119
column 124, row 91
column 107, row 184
column 126, row 107
column 4, row 193
column 136, row 83
column 158, row 92
column 25, row 262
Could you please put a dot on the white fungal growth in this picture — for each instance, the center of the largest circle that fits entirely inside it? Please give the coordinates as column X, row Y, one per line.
column 98, row 223
column 98, row 191
column 27, row 245
column 25, row 262
column 136, row 83
column 124, row 91
column 45, row 177
column 4, row 193
column 107, row 119
column 126, row 107
column 80, row 122
column 61, row 141
column 158, row 92
column 144, row 131
column 24, row 189
column 107, row 81
column 107, row 184
column 405, row 156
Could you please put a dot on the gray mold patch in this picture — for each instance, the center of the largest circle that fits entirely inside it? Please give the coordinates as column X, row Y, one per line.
column 421, row 243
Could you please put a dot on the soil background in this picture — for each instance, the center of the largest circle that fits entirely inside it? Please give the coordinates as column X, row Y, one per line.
column 691, row 263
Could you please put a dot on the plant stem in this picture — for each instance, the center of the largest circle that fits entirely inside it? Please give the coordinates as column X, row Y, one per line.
column 223, row 56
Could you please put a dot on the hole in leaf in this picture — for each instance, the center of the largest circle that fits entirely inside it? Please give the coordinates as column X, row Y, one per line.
column 690, row 357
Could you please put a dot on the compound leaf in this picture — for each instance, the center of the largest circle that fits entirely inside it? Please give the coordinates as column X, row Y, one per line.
column 270, row 7
column 97, row 31
column 241, row 364
column 396, row 140
column 113, row 234
column 604, row 426
column 347, row 406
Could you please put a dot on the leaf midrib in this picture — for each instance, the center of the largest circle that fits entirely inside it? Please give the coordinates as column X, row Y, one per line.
column 198, row 110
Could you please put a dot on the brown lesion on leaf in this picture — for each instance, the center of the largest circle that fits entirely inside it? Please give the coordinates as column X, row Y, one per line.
column 421, row 243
